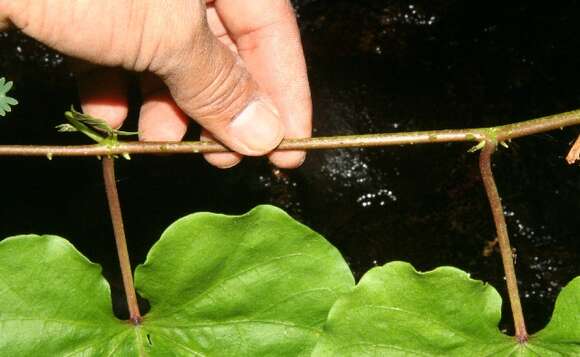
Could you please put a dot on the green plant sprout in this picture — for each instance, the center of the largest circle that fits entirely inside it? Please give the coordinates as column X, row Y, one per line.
column 6, row 102
column 95, row 128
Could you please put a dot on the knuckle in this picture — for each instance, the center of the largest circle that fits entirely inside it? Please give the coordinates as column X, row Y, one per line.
column 221, row 89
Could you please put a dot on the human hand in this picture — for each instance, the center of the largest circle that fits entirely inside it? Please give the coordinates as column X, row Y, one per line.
column 234, row 66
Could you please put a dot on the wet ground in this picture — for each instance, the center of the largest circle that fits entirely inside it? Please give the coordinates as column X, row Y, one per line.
column 375, row 66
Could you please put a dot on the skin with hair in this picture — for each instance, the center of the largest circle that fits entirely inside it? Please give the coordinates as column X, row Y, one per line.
column 235, row 67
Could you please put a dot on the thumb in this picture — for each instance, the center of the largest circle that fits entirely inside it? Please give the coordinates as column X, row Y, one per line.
column 210, row 83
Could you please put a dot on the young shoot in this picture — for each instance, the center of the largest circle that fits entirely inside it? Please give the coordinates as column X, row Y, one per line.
column 95, row 128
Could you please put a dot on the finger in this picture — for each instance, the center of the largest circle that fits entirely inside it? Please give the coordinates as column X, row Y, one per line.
column 135, row 35
column 5, row 23
column 268, row 40
column 211, row 85
column 160, row 119
column 218, row 29
column 70, row 26
column 223, row 160
column 103, row 94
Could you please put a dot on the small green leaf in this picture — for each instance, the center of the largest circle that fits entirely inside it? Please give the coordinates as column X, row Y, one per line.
column 66, row 128
column 6, row 102
column 396, row 311
column 97, row 124
column 251, row 285
column 95, row 128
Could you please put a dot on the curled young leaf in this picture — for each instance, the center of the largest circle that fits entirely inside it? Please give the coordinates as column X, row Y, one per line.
column 95, row 128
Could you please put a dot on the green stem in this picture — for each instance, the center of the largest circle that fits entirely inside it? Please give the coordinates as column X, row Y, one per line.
column 121, row 242
column 498, row 133
column 503, row 238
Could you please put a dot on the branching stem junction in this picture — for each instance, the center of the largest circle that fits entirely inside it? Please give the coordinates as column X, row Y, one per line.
column 487, row 139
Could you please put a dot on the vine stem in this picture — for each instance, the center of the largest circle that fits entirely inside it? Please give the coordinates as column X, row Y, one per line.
column 490, row 136
column 503, row 238
column 121, row 242
column 497, row 133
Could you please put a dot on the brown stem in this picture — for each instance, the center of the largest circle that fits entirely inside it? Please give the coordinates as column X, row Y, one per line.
column 503, row 238
column 121, row 242
column 196, row 147
column 498, row 133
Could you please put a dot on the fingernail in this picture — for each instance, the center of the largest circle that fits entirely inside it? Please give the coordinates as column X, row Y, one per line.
column 229, row 165
column 301, row 158
column 223, row 160
column 257, row 128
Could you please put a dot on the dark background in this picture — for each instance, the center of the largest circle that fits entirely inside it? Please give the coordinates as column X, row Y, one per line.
column 374, row 66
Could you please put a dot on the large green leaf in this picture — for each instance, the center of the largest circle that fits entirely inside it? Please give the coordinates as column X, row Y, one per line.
column 251, row 285
column 258, row 284
column 562, row 335
column 54, row 302
column 396, row 311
